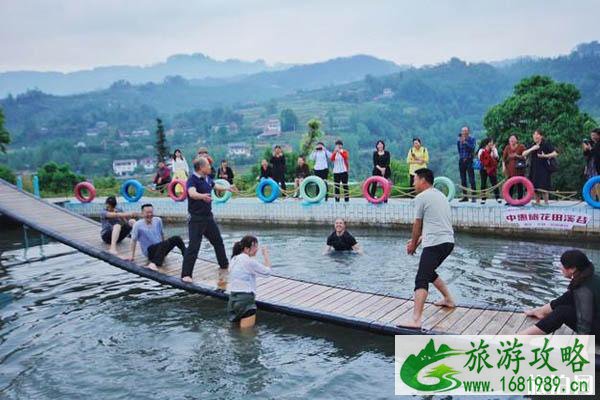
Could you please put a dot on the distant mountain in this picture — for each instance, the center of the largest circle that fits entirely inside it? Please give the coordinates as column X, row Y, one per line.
column 194, row 66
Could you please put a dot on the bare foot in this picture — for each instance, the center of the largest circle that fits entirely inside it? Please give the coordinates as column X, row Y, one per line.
column 410, row 323
column 113, row 251
column 533, row 313
column 152, row 266
column 445, row 303
column 187, row 279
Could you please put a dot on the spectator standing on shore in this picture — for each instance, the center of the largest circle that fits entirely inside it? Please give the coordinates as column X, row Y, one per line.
column 278, row 165
column 302, row 172
column 321, row 158
column 417, row 158
column 514, row 163
column 540, row 171
column 591, row 152
column 179, row 166
column 466, row 146
column 488, row 156
column 340, row 159
column 381, row 165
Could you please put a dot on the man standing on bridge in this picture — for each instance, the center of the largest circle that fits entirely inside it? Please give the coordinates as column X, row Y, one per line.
column 432, row 228
column 200, row 219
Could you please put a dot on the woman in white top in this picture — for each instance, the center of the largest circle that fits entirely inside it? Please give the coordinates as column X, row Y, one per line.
column 243, row 270
column 179, row 166
column 321, row 169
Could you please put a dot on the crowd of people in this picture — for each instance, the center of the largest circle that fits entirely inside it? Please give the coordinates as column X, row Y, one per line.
column 579, row 307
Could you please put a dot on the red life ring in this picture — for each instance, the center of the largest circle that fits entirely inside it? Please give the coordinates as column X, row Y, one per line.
column 171, row 190
column 380, row 180
column 89, row 187
column 530, row 191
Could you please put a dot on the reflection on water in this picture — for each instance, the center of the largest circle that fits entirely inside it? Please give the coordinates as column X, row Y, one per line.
column 73, row 327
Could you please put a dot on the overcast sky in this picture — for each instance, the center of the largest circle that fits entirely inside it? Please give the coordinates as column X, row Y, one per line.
column 67, row 35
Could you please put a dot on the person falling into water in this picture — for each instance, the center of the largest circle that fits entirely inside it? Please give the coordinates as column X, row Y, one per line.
column 242, row 280
column 116, row 224
column 341, row 240
column 433, row 229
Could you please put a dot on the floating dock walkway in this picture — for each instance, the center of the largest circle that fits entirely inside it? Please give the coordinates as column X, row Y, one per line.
column 375, row 312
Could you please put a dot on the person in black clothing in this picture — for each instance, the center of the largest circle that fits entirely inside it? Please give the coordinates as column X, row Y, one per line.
column 225, row 172
column 278, row 165
column 201, row 221
column 591, row 151
column 340, row 239
column 578, row 307
column 265, row 170
column 381, row 165
column 302, row 171
column 539, row 172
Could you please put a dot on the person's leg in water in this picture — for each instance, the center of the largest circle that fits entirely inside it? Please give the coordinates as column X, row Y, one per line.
column 248, row 321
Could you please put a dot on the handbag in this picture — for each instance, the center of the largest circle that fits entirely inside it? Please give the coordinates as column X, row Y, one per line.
column 552, row 165
column 521, row 163
column 476, row 164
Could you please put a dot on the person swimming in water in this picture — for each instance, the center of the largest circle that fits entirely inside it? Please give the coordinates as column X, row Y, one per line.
column 341, row 240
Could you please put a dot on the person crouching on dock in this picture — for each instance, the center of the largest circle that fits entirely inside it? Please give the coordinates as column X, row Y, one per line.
column 578, row 307
column 149, row 232
column 433, row 229
column 242, row 280
column 116, row 224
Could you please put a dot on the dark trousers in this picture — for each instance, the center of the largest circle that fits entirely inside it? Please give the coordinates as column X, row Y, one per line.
column 323, row 174
column 517, row 188
column 465, row 167
column 280, row 179
column 207, row 227
column 373, row 189
column 158, row 252
column 341, row 179
column 493, row 181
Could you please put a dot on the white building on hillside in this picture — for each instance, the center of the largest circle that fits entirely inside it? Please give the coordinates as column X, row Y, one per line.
column 238, row 149
column 124, row 167
column 271, row 128
column 148, row 163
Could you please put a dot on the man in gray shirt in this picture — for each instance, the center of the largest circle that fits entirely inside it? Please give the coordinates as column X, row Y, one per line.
column 149, row 232
column 433, row 229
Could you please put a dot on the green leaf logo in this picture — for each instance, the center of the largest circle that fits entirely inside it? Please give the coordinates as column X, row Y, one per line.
column 409, row 372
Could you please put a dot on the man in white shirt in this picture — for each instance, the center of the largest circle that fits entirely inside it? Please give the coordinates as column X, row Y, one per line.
column 321, row 158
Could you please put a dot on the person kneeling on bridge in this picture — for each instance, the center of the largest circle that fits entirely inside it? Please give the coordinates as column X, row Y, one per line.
column 242, row 280
column 149, row 232
column 578, row 307
column 201, row 222
column 340, row 239
column 432, row 228
column 116, row 224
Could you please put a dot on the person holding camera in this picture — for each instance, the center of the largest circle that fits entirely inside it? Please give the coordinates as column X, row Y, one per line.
column 340, row 171
column 591, row 152
column 514, row 163
column 321, row 156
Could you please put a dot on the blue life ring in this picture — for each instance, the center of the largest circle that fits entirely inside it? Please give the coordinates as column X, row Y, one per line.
column 261, row 188
column 139, row 190
column 587, row 191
